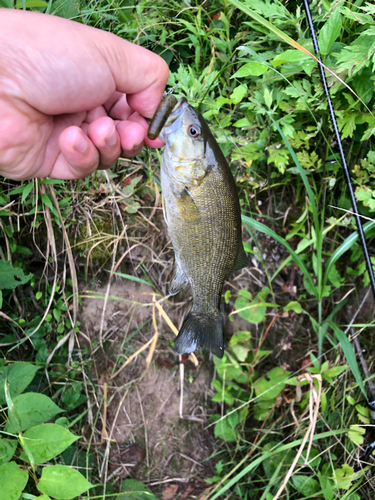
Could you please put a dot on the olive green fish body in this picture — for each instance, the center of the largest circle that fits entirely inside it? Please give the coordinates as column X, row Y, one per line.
column 202, row 212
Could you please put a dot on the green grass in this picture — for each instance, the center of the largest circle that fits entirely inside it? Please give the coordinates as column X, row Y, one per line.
column 289, row 389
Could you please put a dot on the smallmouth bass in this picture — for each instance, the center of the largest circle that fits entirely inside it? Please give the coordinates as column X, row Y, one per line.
column 202, row 212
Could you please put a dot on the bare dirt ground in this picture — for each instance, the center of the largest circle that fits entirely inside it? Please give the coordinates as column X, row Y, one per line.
column 157, row 435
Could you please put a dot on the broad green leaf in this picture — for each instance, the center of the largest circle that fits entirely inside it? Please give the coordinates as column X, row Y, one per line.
column 240, row 352
column 291, row 56
column 350, row 400
column 225, row 431
column 233, row 419
column 238, row 94
column 305, row 484
column 253, row 311
column 12, row 481
column 46, row 441
column 240, row 336
column 242, row 123
column 62, row 482
column 271, row 384
column 135, row 490
column 251, row 69
column 334, row 277
column 329, row 32
column 230, row 369
column 293, row 306
column 26, row 191
column 314, row 458
column 326, row 486
column 32, row 409
column 7, row 449
column 268, row 97
column 280, row 462
column 11, row 277
column 221, row 395
column 19, row 376
column 356, row 434
column 343, row 477
column 349, row 355
column 63, row 421
column 261, row 410
column 363, row 410
column 47, row 201
column 72, row 396
column 335, row 371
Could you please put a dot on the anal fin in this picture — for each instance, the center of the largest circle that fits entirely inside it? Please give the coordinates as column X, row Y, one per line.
column 178, row 280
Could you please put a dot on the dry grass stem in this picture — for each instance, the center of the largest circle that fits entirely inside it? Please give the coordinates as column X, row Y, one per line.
column 181, row 385
column 130, row 358
column 156, row 334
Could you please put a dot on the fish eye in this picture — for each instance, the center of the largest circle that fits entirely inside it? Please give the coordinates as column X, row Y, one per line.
column 194, row 131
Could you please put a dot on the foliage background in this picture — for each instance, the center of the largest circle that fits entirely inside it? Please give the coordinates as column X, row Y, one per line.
column 265, row 104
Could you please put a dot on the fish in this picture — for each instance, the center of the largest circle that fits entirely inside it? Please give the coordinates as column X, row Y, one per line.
column 203, row 216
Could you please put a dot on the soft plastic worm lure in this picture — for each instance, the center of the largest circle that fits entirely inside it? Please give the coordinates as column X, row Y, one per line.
column 161, row 115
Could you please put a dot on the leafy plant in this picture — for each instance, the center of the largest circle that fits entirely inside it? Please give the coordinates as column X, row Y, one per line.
column 26, row 416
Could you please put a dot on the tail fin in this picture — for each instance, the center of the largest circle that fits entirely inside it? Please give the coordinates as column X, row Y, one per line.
column 201, row 330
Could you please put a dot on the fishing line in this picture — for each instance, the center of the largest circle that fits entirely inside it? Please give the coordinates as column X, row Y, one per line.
column 342, row 155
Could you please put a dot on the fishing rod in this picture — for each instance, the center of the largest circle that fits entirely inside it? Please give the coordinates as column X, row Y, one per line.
column 370, row 400
column 342, row 155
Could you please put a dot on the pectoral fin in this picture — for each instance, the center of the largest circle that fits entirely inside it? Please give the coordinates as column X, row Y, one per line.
column 178, row 281
column 187, row 206
column 241, row 259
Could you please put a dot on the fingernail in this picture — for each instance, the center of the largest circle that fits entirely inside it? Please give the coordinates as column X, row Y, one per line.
column 112, row 138
column 81, row 143
column 137, row 146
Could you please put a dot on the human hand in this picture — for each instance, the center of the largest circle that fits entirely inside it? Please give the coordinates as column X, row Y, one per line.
column 72, row 98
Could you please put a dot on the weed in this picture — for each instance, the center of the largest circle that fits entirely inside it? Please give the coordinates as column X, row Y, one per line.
column 288, row 412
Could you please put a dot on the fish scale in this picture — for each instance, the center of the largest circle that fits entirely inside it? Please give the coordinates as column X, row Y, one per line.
column 202, row 211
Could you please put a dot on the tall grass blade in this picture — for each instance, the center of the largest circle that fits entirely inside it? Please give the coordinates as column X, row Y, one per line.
column 302, row 173
column 254, row 464
column 345, row 246
column 258, row 226
column 349, row 354
column 317, row 224
column 132, row 278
